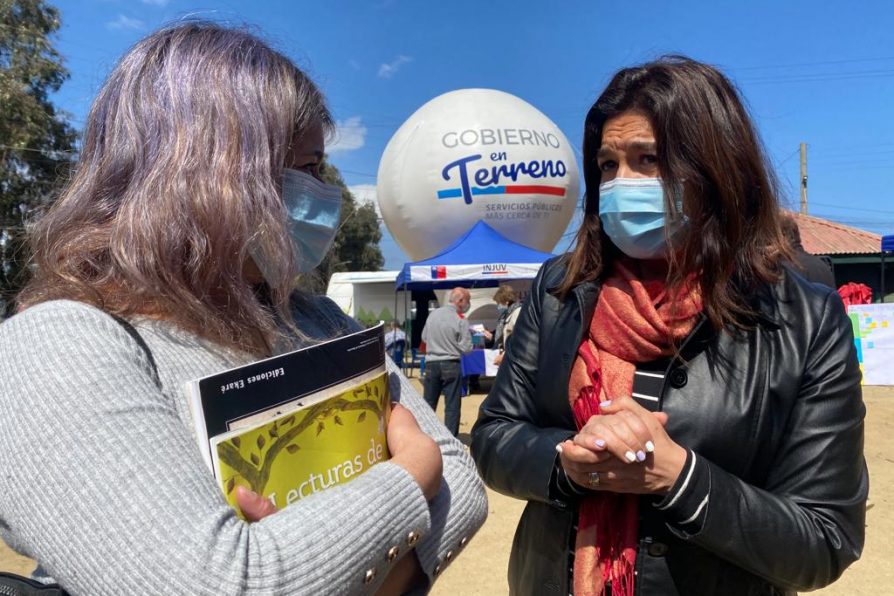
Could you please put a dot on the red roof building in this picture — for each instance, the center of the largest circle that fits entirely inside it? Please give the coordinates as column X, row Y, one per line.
column 855, row 254
column 824, row 237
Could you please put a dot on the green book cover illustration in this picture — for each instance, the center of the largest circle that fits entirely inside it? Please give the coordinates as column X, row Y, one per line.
column 292, row 425
column 309, row 450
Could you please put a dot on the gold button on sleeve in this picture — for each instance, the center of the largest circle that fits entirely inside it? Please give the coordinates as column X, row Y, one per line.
column 370, row 576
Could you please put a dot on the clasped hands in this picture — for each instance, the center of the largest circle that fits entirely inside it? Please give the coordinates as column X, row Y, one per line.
column 624, row 450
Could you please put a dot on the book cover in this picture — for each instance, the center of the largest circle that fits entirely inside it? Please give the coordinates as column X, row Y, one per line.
column 295, row 424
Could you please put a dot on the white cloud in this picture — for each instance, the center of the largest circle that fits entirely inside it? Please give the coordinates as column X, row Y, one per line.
column 161, row 3
column 388, row 70
column 349, row 135
column 124, row 22
column 366, row 193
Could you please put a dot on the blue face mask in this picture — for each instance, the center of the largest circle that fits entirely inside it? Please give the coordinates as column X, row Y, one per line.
column 313, row 209
column 502, row 308
column 632, row 211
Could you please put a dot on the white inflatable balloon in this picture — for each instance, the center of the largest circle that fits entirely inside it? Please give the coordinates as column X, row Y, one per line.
column 476, row 154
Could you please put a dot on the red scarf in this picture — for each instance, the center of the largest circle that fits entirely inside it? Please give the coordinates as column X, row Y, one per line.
column 635, row 321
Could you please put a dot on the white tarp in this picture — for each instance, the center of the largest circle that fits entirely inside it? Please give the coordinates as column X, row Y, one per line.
column 479, row 272
column 874, row 338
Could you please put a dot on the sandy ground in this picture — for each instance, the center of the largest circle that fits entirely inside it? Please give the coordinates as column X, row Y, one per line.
column 481, row 568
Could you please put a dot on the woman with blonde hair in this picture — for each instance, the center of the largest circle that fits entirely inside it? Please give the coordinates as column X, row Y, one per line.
column 171, row 255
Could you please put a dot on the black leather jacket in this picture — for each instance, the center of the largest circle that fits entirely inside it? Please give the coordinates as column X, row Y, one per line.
column 775, row 416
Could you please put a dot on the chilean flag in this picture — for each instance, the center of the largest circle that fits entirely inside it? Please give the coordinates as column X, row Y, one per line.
column 439, row 272
column 479, row 362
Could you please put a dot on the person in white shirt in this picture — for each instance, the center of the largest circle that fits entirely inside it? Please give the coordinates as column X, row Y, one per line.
column 393, row 335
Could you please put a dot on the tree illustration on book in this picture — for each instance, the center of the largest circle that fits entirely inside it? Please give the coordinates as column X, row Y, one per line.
column 303, row 452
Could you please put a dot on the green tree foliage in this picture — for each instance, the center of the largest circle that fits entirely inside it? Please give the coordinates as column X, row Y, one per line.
column 36, row 141
column 356, row 246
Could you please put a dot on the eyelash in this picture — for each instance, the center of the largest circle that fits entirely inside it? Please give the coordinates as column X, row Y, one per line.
column 647, row 158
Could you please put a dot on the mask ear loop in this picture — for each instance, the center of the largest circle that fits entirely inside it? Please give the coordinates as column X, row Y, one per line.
column 678, row 217
column 675, row 207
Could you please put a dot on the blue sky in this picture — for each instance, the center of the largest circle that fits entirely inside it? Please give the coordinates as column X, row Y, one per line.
column 824, row 76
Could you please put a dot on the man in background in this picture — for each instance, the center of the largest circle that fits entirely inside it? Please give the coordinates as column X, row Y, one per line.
column 446, row 336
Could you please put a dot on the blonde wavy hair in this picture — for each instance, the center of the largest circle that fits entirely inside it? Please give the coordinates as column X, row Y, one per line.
column 177, row 182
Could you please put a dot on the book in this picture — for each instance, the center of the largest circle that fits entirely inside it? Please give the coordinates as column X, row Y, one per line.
column 294, row 424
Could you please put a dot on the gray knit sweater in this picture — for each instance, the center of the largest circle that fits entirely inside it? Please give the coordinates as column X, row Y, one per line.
column 103, row 482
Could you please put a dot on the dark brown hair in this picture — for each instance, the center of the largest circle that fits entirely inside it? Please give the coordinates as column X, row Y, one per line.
column 505, row 294
column 790, row 230
column 706, row 145
column 177, row 183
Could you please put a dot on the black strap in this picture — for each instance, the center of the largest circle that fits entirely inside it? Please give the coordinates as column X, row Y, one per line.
column 17, row 585
column 132, row 331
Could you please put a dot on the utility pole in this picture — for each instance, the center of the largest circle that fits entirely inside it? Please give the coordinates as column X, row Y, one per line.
column 804, row 178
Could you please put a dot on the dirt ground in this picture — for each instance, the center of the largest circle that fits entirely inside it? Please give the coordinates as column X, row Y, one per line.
column 481, row 569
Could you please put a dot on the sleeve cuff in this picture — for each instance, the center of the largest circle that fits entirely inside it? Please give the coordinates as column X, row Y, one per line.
column 563, row 490
column 686, row 505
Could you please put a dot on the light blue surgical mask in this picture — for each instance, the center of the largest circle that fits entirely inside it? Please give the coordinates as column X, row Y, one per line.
column 313, row 209
column 632, row 211
column 502, row 308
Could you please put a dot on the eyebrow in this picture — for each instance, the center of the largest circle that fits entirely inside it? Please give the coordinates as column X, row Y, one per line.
column 637, row 145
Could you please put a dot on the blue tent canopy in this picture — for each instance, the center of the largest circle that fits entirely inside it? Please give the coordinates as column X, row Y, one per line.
column 888, row 243
column 481, row 258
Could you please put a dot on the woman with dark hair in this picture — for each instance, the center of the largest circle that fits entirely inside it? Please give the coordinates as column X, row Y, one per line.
column 682, row 414
column 508, row 307
column 172, row 254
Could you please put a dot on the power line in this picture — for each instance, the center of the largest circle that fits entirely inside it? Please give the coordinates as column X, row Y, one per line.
column 860, row 146
column 857, row 220
column 869, row 154
column 793, row 153
column 852, row 208
column 818, row 77
column 854, row 168
column 842, row 160
column 819, row 63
